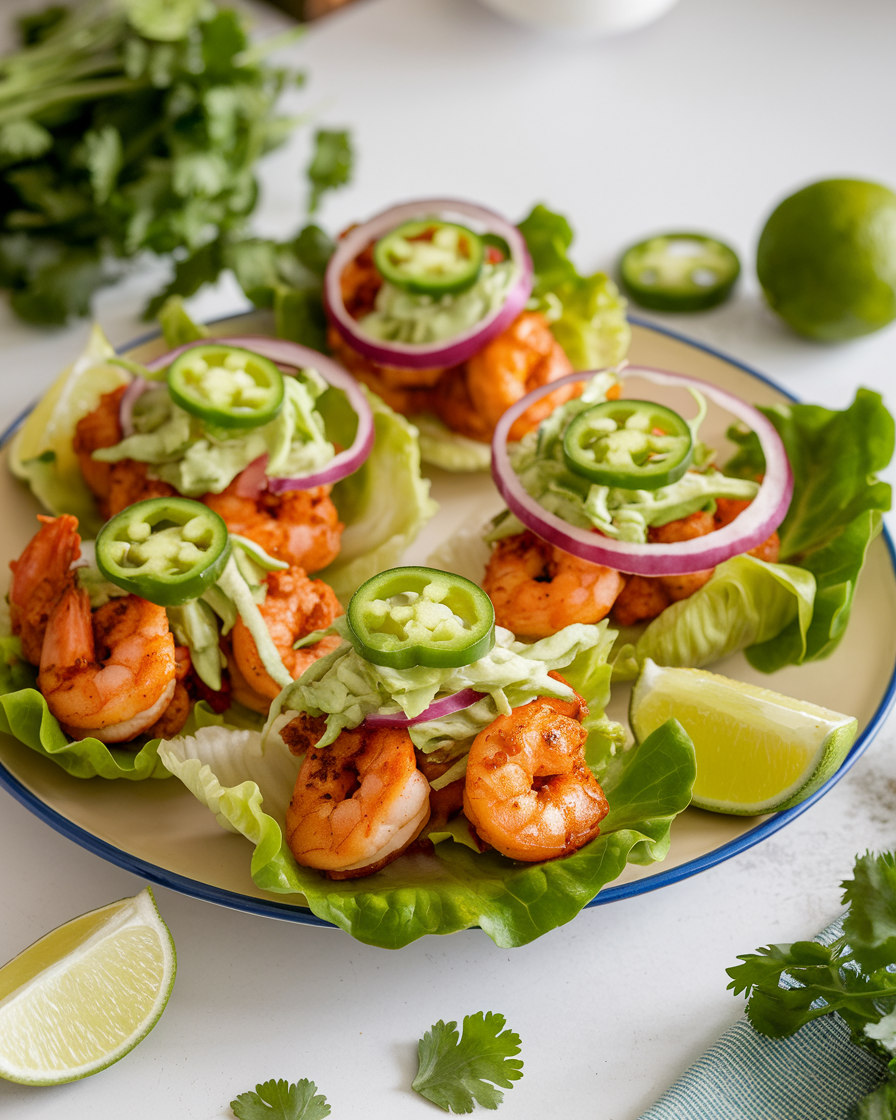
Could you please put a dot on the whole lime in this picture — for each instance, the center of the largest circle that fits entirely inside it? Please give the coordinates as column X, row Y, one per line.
column 827, row 259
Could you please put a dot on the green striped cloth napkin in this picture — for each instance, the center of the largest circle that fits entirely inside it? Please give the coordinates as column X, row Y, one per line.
column 816, row 1074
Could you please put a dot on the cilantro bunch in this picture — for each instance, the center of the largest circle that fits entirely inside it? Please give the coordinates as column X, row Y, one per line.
column 853, row 977
column 127, row 126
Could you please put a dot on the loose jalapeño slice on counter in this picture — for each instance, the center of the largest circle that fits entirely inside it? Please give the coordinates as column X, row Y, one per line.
column 412, row 616
column 226, row 386
column 679, row 272
column 629, row 445
column 431, row 257
column 166, row 550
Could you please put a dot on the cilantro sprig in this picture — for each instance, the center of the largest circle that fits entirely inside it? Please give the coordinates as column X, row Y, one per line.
column 455, row 1072
column 787, row 986
column 279, row 1100
column 128, row 126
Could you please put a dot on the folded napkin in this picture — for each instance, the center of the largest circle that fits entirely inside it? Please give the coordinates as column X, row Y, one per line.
column 816, row 1074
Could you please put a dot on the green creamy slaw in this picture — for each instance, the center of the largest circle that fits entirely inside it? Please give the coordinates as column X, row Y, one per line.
column 401, row 316
column 197, row 458
column 624, row 515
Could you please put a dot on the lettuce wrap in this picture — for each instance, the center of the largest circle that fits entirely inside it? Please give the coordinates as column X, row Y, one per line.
column 796, row 610
column 383, row 505
column 246, row 780
column 586, row 315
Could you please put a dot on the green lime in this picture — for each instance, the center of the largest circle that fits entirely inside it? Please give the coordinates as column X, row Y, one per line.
column 679, row 272
column 827, row 259
column 757, row 751
column 85, row 994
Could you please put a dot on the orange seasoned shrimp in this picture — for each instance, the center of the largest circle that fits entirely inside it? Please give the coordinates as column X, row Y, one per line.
column 112, row 674
column 300, row 527
column 528, row 791
column 358, row 803
column 114, row 485
column 538, row 589
column 523, row 357
column 294, row 606
column 39, row 577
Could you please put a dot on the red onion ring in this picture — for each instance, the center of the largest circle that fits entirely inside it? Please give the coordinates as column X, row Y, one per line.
column 129, row 398
column 295, row 356
column 429, row 355
column 251, row 481
column 437, row 710
column 749, row 529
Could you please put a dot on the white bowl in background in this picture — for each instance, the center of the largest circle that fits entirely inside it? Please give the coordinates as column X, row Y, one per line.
column 597, row 17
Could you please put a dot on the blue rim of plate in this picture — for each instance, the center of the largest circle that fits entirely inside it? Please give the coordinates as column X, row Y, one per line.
column 270, row 908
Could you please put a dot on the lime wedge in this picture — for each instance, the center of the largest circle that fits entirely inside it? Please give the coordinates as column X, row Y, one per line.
column 757, row 751
column 42, row 453
column 85, row 994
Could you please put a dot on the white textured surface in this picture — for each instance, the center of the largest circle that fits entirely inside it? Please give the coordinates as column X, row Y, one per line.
column 703, row 119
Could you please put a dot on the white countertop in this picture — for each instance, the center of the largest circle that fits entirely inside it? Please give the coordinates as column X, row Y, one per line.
column 704, row 119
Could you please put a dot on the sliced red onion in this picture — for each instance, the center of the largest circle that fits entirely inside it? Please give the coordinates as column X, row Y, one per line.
column 456, row 702
column 750, row 528
column 294, row 356
column 252, row 480
column 429, row 355
column 129, row 398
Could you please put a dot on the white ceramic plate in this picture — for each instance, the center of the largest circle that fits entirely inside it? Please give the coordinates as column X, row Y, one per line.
column 158, row 830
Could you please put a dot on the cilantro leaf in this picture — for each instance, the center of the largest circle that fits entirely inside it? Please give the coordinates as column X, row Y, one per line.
column 331, row 165
column 456, row 1073
column 788, row 986
column 279, row 1100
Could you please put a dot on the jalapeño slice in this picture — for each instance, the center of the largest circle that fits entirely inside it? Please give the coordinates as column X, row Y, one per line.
column 629, row 445
column 226, row 386
column 431, row 257
column 166, row 550
column 679, row 272
column 412, row 616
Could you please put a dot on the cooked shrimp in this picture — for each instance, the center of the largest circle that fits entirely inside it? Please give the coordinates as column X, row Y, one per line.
column 172, row 720
column 114, row 485
column 40, row 576
column 528, row 791
column 726, row 511
column 358, row 803
column 294, row 606
column 407, row 391
column 523, row 357
column 300, row 527
column 112, row 674
column 645, row 597
column 538, row 589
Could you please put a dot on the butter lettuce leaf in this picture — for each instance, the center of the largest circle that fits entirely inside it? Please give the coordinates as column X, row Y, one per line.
column 384, row 504
column 835, row 513
column 248, row 786
column 746, row 602
column 24, row 715
column 587, row 313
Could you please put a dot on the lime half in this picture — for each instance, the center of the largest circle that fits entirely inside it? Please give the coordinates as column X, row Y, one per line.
column 679, row 272
column 826, row 259
column 757, row 751
column 83, row 996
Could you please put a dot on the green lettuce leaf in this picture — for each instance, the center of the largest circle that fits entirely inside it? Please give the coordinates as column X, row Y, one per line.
column 248, row 788
column 384, row 504
column 587, row 313
column 835, row 513
column 746, row 602
column 24, row 715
